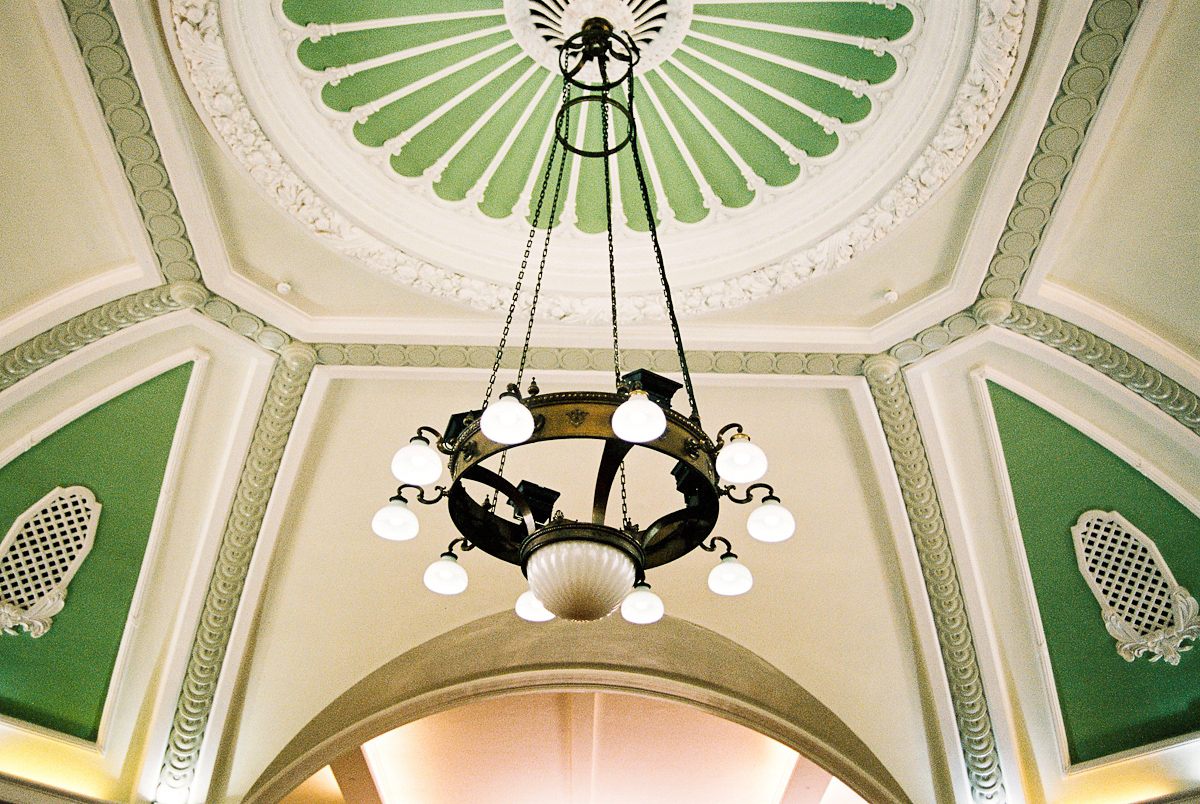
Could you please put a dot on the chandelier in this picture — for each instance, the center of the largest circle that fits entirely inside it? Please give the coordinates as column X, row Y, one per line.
column 584, row 569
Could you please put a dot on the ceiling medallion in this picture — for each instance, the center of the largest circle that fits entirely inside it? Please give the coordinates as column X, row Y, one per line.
column 781, row 138
column 585, row 568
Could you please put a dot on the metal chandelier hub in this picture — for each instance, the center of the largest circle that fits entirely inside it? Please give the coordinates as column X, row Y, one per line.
column 586, row 566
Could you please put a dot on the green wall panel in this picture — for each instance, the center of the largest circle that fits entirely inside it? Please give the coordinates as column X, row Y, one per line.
column 119, row 451
column 1057, row 473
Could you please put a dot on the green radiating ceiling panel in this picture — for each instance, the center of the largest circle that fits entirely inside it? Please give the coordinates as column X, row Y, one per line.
column 119, row 450
column 751, row 90
column 1057, row 473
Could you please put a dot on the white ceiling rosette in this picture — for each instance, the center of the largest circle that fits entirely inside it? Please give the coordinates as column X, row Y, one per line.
column 781, row 139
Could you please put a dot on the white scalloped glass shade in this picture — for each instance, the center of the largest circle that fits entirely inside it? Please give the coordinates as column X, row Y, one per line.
column 579, row 580
column 730, row 577
column 739, row 461
column 530, row 608
column 417, row 463
column 445, row 576
column 642, row 607
column 638, row 420
column 395, row 522
column 507, row 421
column 771, row 522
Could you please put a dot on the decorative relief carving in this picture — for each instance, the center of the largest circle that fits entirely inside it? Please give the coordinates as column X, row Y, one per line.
column 62, row 339
column 544, row 359
column 1112, row 361
column 941, row 577
column 1144, row 608
column 41, row 554
column 1087, row 75
column 993, row 57
column 95, row 29
column 296, row 361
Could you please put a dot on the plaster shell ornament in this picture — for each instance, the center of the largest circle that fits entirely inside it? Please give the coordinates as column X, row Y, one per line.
column 782, row 138
column 40, row 554
column 1144, row 608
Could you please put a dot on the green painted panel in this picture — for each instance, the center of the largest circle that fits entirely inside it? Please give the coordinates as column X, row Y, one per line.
column 119, row 451
column 302, row 12
column 851, row 19
column 1057, row 473
column 503, row 192
column 683, row 194
column 354, row 47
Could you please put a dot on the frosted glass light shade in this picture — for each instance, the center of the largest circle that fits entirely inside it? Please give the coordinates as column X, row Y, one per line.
column 641, row 606
column 771, row 522
column 638, row 420
column 395, row 522
column 730, row 577
column 578, row 579
column 417, row 463
column 446, row 576
column 530, row 608
column 507, row 420
column 739, row 461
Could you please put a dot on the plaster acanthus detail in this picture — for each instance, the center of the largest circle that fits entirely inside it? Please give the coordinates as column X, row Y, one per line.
column 545, row 359
column 1110, row 360
column 992, row 60
column 1078, row 98
column 40, row 555
column 290, row 378
column 85, row 328
column 942, row 582
column 95, row 29
column 1144, row 608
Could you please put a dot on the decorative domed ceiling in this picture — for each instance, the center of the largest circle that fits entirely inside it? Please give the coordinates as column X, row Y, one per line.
column 781, row 138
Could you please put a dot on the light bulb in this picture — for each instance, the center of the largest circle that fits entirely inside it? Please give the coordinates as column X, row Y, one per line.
column 530, row 608
column 507, row 420
column 730, row 577
column 771, row 522
column 395, row 522
column 739, row 461
column 417, row 463
column 641, row 606
column 638, row 419
column 445, row 576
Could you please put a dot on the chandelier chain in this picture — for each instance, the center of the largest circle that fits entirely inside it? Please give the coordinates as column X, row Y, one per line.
column 537, row 288
column 625, row 520
column 662, row 269
column 512, row 305
column 612, row 262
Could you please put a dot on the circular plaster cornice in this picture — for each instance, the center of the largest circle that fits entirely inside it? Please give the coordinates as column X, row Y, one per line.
column 953, row 117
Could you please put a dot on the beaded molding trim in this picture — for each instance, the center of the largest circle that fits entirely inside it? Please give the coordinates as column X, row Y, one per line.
column 942, row 583
column 292, row 370
column 1087, row 75
column 85, row 328
column 546, row 359
column 1110, row 360
column 108, row 64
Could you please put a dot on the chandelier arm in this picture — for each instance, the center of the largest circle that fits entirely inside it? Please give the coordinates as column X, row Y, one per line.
column 712, row 546
column 720, row 439
column 512, row 305
column 611, row 461
column 749, row 498
column 486, row 476
column 658, row 257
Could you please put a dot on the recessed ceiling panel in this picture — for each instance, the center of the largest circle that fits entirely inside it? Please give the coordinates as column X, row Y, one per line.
column 779, row 139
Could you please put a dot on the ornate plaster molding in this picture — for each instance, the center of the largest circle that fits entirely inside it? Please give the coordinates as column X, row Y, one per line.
column 546, row 359
column 95, row 29
column 1110, row 360
column 85, row 328
column 1086, row 77
column 942, row 583
column 295, row 364
column 993, row 57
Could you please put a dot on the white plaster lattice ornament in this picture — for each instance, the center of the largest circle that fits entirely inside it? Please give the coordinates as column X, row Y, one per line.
column 1145, row 610
column 41, row 553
